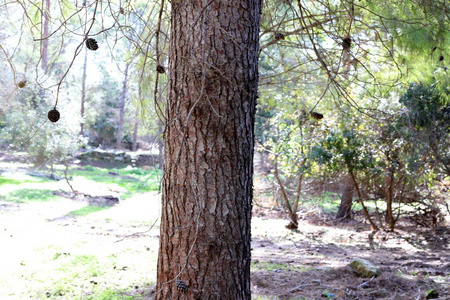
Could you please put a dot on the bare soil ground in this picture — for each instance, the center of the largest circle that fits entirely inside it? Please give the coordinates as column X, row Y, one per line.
column 312, row 263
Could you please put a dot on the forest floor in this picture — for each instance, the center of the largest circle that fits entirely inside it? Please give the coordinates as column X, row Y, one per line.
column 312, row 262
column 65, row 248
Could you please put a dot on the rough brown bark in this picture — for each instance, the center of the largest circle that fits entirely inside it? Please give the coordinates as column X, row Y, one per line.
column 208, row 150
column 345, row 206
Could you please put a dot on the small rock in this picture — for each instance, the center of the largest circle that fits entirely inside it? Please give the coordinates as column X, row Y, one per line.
column 364, row 268
column 103, row 200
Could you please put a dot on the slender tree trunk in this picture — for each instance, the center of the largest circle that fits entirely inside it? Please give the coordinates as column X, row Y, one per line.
column 160, row 142
column 122, row 98
column 83, row 93
column 298, row 193
column 135, row 132
column 45, row 33
column 293, row 224
column 361, row 200
column 388, row 193
column 345, row 206
column 208, row 150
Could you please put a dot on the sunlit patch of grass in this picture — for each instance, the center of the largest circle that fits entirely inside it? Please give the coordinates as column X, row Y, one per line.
column 370, row 205
column 9, row 181
column 133, row 180
column 84, row 265
column 273, row 266
column 20, row 178
column 97, row 276
column 55, row 264
column 328, row 202
column 259, row 297
column 14, row 165
column 132, row 293
column 66, row 273
column 84, row 211
column 29, row 195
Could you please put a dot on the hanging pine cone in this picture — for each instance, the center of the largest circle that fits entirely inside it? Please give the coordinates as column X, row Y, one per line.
column 316, row 115
column 53, row 115
column 22, row 84
column 160, row 69
column 346, row 43
column 182, row 287
column 91, row 44
column 279, row 36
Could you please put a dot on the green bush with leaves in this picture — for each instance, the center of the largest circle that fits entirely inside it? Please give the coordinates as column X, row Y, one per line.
column 289, row 141
column 425, row 123
column 387, row 162
column 28, row 129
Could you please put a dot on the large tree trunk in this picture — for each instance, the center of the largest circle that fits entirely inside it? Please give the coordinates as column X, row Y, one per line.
column 208, row 150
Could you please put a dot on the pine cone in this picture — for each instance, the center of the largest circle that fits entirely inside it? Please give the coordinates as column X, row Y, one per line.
column 91, row 44
column 22, row 84
column 279, row 36
column 182, row 287
column 316, row 115
column 346, row 43
column 160, row 69
column 53, row 115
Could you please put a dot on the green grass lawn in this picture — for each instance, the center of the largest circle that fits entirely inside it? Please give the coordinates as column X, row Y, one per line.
column 20, row 187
